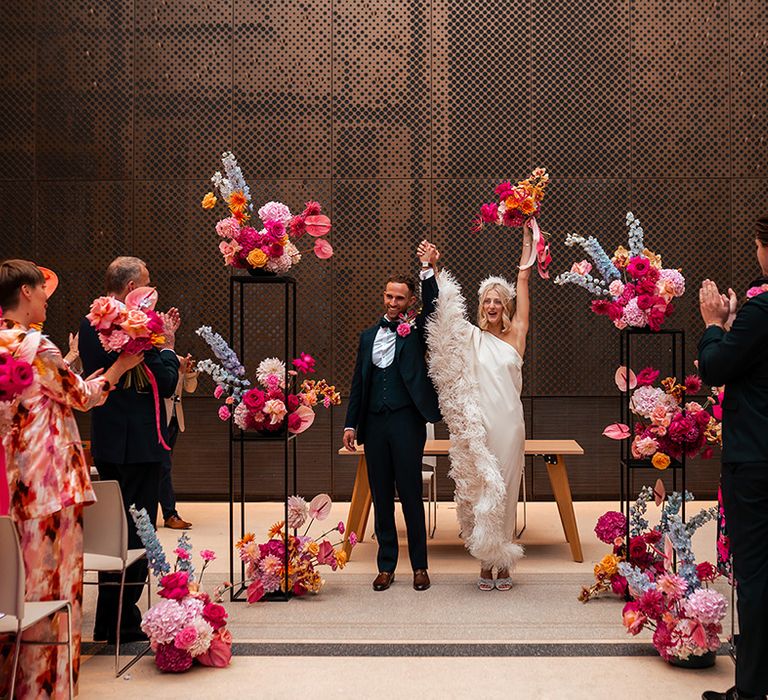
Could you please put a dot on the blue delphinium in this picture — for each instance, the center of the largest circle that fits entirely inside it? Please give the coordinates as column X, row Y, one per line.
column 234, row 179
column 637, row 523
column 155, row 554
column 592, row 247
column 635, row 235
column 636, row 579
column 223, row 352
column 185, row 564
column 591, row 284
column 232, row 385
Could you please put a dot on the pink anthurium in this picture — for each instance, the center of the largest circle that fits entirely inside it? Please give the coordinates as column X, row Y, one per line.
column 323, row 249
column 317, row 225
column 307, row 416
column 320, row 506
column 621, row 379
column 616, row 431
column 669, row 552
column 659, row 492
column 142, row 298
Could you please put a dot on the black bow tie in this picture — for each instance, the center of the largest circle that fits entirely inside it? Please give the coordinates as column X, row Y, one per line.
column 386, row 323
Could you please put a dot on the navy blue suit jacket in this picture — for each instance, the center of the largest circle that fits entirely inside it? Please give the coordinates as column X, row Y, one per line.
column 123, row 430
column 411, row 363
column 739, row 359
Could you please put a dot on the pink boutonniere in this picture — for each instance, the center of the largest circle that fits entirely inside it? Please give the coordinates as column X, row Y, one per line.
column 752, row 292
column 407, row 321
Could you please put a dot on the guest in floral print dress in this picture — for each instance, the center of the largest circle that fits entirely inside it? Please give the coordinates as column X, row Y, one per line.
column 48, row 480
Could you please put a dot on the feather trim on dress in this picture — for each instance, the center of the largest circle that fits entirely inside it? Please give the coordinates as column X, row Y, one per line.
column 480, row 493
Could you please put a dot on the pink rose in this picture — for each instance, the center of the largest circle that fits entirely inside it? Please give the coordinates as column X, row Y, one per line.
column 276, row 410
column 174, row 586
column 135, row 324
column 632, row 618
column 224, row 413
column 616, row 288
column 105, row 312
column 581, row 268
column 638, row 267
column 254, row 399
column 230, row 249
column 404, row 330
column 186, row 638
column 294, row 422
column 215, row 615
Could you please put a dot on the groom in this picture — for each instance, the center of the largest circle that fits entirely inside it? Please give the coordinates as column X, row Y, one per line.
column 390, row 403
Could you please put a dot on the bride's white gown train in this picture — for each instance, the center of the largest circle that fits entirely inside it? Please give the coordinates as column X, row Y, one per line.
column 479, row 379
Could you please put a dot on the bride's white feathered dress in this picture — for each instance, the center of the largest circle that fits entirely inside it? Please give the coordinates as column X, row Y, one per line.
column 479, row 379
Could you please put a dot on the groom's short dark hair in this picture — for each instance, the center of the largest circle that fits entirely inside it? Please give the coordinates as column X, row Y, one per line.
column 404, row 279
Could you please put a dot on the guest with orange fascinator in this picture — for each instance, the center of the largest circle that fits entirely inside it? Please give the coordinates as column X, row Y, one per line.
column 45, row 481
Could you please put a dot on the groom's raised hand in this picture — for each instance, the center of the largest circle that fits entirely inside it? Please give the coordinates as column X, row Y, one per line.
column 428, row 254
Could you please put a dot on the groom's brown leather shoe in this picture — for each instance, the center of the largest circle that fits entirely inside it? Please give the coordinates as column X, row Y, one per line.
column 420, row 580
column 383, row 581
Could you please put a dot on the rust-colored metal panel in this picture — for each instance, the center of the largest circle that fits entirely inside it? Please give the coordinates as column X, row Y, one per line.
column 581, row 77
column 680, row 89
column 381, row 89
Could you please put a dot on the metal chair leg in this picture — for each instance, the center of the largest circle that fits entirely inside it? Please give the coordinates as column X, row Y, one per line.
column 16, row 652
column 119, row 621
column 525, row 508
column 69, row 652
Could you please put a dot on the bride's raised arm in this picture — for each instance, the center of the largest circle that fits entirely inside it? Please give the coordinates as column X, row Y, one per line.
column 523, row 300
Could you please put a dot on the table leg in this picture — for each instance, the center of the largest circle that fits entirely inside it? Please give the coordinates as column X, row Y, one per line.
column 359, row 507
column 558, row 478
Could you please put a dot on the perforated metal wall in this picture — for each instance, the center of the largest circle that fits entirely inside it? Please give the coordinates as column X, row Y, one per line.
column 400, row 116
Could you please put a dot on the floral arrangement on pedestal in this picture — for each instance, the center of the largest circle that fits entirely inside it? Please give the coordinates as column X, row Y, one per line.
column 684, row 613
column 280, row 403
column 265, row 570
column 187, row 626
column 667, row 424
column 634, row 290
column 272, row 247
column 518, row 205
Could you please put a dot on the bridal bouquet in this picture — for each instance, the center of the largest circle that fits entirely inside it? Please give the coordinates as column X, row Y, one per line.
column 280, row 403
column 520, row 204
column 265, row 563
column 271, row 248
column 132, row 327
column 667, row 424
column 186, row 626
column 635, row 290
column 683, row 612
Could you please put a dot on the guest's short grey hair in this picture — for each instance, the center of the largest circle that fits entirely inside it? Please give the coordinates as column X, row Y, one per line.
column 121, row 271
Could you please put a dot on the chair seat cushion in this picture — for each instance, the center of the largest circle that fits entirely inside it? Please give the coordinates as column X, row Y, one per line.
column 33, row 612
column 103, row 562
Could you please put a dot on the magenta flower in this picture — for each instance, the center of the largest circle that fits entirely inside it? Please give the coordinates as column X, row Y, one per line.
column 305, row 363
column 181, row 553
column 352, row 539
column 340, row 527
column 647, row 376
column 186, row 638
column 404, row 330
column 207, row 554
column 611, row 525
column 638, row 267
column 218, row 392
column 174, row 586
column 489, row 213
column 171, row 659
column 224, row 413
column 692, row 384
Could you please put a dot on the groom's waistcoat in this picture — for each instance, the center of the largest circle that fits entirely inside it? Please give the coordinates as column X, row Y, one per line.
column 387, row 390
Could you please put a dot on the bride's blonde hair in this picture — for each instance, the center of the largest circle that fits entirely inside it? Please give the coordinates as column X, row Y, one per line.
column 507, row 295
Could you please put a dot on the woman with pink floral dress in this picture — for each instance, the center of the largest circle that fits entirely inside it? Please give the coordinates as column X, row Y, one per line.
column 48, row 480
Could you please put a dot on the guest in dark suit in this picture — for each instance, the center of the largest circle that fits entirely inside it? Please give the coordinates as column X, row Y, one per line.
column 391, row 401
column 738, row 359
column 124, row 442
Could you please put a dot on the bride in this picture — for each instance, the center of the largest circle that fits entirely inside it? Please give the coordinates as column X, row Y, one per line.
column 478, row 374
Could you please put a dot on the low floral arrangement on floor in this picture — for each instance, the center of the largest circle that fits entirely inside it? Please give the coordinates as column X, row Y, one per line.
column 271, row 248
column 519, row 205
column 667, row 424
column 132, row 327
column 281, row 402
column 683, row 612
column 187, row 626
column 265, row 570
column 637, row 292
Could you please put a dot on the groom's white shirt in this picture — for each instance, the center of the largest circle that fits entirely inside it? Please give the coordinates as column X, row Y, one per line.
column 383, row 353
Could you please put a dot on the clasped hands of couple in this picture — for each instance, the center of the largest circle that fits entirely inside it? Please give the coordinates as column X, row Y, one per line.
column 126, row 362
column 717, row 309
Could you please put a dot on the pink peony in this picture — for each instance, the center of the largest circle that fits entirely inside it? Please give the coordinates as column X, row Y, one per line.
column 683, row 429
column 105, row 312
column 320, row 506
column 644, row 400
column 275, row 212
column 611, row 525
column 224, row 413
column 170, row 659
column 185, row 638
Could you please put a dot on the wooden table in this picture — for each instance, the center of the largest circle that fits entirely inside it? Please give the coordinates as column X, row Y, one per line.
column 553, row 452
